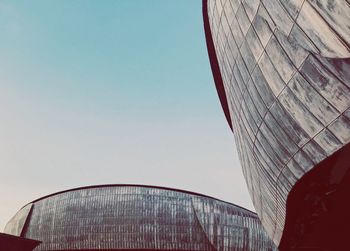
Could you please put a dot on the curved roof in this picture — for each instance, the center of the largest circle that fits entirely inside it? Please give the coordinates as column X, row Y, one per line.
column 135, row 185
column 128, row 216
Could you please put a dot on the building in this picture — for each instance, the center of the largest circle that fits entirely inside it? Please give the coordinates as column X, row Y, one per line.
column 282, row 73
column 132, row 217
column 15, row 243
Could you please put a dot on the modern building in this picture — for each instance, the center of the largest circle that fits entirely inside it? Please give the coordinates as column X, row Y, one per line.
column 282, row 73
column 15, row 243
column 132, row 217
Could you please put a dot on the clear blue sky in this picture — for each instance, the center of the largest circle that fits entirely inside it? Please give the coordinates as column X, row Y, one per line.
column 96, row 92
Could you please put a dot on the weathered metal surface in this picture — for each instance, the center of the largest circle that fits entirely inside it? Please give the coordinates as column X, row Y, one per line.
column 139, row 217
column 286, row 73
column 16, row 225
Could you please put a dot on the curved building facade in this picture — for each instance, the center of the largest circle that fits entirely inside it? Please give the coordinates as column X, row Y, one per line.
column 282, row 72
column 120, row 217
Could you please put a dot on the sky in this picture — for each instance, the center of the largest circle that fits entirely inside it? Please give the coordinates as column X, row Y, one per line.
column 102, row 92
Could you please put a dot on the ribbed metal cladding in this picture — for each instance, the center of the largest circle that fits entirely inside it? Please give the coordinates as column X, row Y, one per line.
column 140, row 217
column 286, row 73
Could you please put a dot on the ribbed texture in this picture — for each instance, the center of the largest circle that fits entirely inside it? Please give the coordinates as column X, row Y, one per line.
column 289, row 102
column 132, row 217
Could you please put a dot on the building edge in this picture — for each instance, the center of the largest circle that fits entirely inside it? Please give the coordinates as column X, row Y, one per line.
column 137, row 185
column 214, row 63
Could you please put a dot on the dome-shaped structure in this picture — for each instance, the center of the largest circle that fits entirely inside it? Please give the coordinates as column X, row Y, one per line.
column 119, row 217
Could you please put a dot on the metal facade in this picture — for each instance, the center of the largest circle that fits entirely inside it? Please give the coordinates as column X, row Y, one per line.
column 285, row 70
column 140, row 217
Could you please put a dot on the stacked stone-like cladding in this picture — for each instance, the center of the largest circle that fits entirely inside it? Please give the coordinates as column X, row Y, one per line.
column 286, row 73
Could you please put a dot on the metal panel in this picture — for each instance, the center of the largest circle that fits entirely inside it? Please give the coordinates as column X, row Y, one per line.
column 137, row 217
column 16, row 225
column 289, row 92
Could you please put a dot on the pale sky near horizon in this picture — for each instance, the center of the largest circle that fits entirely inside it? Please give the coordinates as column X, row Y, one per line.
column 100, row 92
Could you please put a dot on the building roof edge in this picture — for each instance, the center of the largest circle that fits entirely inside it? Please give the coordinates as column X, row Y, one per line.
column 137, row 185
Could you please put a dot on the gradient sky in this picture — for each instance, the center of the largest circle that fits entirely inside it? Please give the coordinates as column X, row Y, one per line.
column 96, row 92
